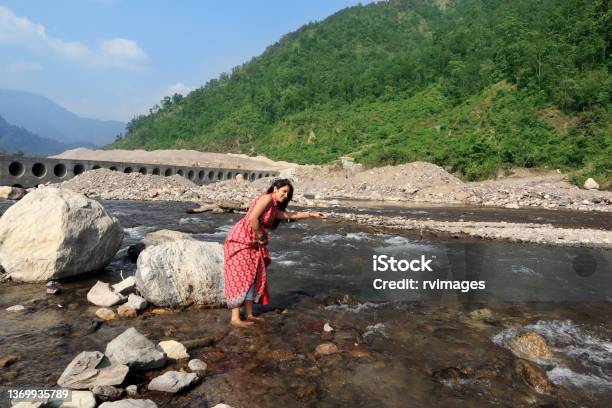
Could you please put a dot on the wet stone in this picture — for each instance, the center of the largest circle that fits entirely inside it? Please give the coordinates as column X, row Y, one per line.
column 172, row 382
column 106, row 314
column 126, row 310
column 174, row 350
column 135, row 350
column 530, row 345
column 197, row 366
column 107, row 392
column 533, row 376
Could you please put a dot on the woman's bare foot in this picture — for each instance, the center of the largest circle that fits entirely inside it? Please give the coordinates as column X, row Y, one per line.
column 240, row 323
column 255, row 318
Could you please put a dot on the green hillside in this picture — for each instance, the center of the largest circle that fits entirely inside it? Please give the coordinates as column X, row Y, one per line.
column 472, row 85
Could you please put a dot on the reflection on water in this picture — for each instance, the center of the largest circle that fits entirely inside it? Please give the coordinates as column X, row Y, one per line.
column 396, row 347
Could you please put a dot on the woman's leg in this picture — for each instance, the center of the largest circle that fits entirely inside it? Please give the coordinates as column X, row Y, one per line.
column 236, row 321
column 249, row 311
column 248, row 304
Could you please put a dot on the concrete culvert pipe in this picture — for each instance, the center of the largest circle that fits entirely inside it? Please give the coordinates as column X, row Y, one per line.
column 39, row 170
column 78, row 169
column 60, row 170
column 16, row 169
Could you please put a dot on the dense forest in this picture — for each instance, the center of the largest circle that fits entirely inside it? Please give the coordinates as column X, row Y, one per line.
column 472, row 85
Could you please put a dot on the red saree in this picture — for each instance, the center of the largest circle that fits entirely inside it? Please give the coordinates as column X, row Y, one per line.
column 245, row 261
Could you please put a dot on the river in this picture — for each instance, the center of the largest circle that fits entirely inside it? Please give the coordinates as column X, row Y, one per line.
column 400, row 347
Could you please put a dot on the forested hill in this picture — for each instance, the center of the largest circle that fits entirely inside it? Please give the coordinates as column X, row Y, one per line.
column 472, row 85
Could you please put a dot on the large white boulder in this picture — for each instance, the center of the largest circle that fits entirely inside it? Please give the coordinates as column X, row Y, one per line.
column 53, row 233
column 181, row 273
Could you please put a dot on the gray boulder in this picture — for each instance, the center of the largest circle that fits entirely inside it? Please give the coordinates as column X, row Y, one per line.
column 172, row 381
column 181, row 273
column 88, row 369
column 53, row 233
column 135, row 350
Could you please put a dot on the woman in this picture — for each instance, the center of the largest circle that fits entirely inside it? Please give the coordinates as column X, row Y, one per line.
column 246, row 255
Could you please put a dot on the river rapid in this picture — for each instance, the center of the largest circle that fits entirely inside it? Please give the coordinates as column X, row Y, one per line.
column 396, row 347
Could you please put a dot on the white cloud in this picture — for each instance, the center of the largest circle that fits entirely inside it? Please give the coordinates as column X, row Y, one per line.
column 122, row 49
column 179, row 88
column 116, row 52
column 23, row 66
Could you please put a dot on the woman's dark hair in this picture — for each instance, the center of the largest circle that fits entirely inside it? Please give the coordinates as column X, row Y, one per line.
column 282, row 206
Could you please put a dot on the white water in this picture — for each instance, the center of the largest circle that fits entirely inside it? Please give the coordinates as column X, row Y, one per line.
column 592, row 354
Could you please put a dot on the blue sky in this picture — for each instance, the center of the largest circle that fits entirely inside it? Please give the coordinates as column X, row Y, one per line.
column 112, row 59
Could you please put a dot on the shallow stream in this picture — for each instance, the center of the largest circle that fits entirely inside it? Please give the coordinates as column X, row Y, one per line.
column 397, row 347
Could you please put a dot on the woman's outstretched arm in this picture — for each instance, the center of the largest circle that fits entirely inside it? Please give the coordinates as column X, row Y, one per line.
column 297, row 215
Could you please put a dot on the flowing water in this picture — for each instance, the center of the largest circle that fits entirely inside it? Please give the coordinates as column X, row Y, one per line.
column 397, row 347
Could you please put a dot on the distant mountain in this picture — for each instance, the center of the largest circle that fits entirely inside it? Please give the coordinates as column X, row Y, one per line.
column 475, row 86
column 14, row 139
column 48, row 119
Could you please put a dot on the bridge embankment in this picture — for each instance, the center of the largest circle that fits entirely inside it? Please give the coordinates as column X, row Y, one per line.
column 31, row 171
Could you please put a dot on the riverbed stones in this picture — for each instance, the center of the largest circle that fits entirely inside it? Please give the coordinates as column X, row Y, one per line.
column 135, row 350
column 101, row 294
column 90, row 368
column 591, row 184
column 172, row 382
column 138, row 302
column 530, row 346
column 53, row 233
column 107, row 392
column 198, row 366
column 181, row 273
column 106, row 314
column 532, row 375
column 129, row 403
column 174, row 350
column 15, row 308
column 126, row 286
column 126, row 310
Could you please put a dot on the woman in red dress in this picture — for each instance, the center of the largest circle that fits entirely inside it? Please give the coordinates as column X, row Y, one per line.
column 246, row 255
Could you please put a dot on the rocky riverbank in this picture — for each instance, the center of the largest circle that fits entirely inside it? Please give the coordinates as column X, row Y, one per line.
column 418, row 182
column 319, row 186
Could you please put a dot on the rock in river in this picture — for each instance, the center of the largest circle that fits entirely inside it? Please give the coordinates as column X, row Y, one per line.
column 101, row 294
column 530, row 346
column 89, row 369
column 181, row 273
column 135, row 350
column 172, row 381
column 53, row 233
